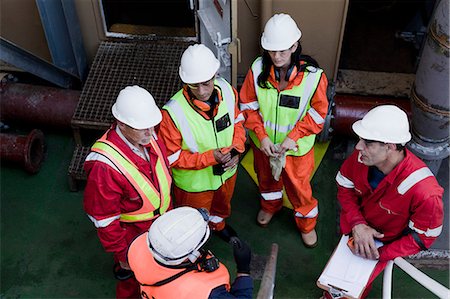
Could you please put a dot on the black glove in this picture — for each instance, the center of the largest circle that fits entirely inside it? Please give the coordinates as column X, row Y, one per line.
column 242, row 255
column 226, row 234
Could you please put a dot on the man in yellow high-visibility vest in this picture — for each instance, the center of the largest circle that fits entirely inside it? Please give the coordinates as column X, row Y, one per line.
column 129, row 181
column 203, row 131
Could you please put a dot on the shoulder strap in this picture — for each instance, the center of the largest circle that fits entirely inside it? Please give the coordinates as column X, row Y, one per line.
column 202, row 264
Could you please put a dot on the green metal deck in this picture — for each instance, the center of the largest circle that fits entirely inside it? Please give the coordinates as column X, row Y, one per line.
column 49, row 248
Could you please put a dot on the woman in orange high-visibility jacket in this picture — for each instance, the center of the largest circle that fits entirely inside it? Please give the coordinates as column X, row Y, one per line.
column 128, row 180
column 284, row 102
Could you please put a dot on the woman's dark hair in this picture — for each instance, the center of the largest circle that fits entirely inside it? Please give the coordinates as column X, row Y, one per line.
column 296, row 58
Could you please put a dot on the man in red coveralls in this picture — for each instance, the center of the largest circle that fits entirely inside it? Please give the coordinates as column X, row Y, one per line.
column 387, row 193
column 129, row 182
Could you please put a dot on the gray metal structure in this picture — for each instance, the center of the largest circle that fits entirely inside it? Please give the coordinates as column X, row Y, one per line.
column 24, row 60
column 431, row 93
column 63, row 33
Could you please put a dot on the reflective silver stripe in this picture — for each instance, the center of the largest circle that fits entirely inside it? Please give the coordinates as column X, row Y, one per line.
column 215, row 219
column 250, row 106
column 104, row 222
column 239, row 118
column 174, row 157
column 343, row 181
column 256, row 70
column 277, row 127
column 310, row 87
column 307, row 93
column 184, row 126
column 313, row 213
column 272, row 195
column 316, row 116
column 227, row 95
column 413, row 179
column 430, row 232
column 92, row 156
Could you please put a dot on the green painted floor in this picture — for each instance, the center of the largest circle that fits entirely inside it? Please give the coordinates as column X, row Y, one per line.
column 49, row 248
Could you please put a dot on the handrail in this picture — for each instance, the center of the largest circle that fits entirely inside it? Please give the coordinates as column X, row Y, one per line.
column 268, row 279
column 429, row 283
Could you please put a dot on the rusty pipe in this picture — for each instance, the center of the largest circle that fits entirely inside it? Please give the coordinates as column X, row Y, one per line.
column 349, row 108
column 38, row 105
column 27, row 151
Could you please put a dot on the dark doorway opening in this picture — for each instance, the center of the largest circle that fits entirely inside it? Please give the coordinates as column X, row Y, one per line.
column 385, row 35
column 150, row 17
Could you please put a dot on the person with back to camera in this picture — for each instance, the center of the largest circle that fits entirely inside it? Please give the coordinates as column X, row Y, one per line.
column 284, row 102
column 386, row 193
column 170, row 261
column 128, row 180
column 202, row 128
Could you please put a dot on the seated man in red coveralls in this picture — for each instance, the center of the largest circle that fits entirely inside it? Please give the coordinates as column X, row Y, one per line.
column 169, row 260
column 128, row 183
column 387, row 193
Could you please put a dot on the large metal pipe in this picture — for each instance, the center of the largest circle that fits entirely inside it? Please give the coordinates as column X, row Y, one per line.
column 346, row 109
column 430, row 94
column 27, row 151
column 38, row 105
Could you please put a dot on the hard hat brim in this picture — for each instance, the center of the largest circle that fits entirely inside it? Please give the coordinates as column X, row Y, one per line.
column 363, row 133
column 150, row 123
column 277, row 46
column 199, row 78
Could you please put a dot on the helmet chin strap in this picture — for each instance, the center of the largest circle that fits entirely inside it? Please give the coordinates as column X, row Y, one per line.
column 193, row 256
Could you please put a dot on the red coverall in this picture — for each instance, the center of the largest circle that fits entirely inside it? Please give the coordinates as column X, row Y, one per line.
column 217, row 202
column 297, row 173
column 107, row 195
column 404, row 198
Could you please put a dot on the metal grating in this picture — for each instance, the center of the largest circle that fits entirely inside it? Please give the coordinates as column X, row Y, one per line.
column 152, row 65
column 76, row 165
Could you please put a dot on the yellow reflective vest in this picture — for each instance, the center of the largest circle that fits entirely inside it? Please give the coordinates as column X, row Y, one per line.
column 155, row 202
column 280, row 111
column 201, row 135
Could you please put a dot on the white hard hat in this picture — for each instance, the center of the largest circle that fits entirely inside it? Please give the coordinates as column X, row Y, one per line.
column 385, row 123
column 280, row 33
column 198, row 64
column 136, row 108
column 178, row 235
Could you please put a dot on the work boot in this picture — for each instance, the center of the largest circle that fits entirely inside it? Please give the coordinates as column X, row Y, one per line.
column 227, row 234
column 263, row 218
column 309, row 239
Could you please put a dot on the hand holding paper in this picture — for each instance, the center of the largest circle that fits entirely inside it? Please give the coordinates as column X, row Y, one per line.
column 364, row 241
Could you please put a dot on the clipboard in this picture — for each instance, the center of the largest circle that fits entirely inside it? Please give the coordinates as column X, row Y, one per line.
column 346, row 274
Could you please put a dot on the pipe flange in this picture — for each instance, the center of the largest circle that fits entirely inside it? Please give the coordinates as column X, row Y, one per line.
column 430, row 151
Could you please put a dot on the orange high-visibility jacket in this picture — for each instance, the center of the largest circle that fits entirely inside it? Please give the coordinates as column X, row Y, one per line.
column 193, row 284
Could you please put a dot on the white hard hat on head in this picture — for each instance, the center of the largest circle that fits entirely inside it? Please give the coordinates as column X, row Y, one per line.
column 385, row 123
column 178, row 235
column 136, row 108
column 198, row 64
column 280, row 33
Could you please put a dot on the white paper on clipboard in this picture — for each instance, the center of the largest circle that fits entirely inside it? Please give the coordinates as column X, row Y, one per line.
column 345, row 272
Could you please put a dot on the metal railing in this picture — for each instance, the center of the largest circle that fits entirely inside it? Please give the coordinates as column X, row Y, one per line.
column 430, row 284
